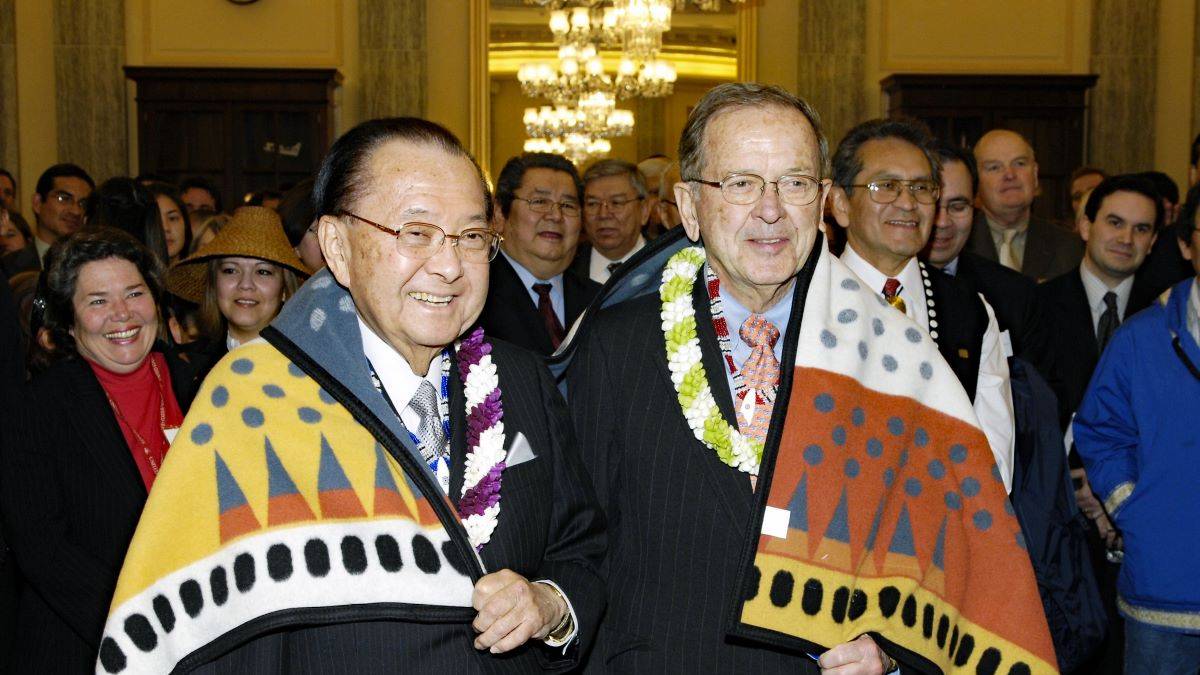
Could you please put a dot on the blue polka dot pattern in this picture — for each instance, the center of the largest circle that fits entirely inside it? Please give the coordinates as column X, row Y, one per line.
column 220, row 396
column 813, row 454
column 852, row 468
column 953, row 500
column 926, row 370
column 958, row 453
column 877, row 326
column 847, row 316
column 823, row 403
column 309, row 415
column 858, row 417
column 325, row 396
column 895, row 426
column 862, row 350
column 982, row 520
column 874, row 447
column 202, row 433
column 920, row 437
column 996, row 474
column 850, row 284
column 912, row 486
column 889, row 477
column 272, row 391
column 889, row 363
column 970, row 486
column 912, row 335
column 903, row 459
column 295, row 371
column 1008, row 508
column 242, row 366
column 253, row 417
column 828, row 339
column 839, row 435
column 1021, row 540
column 937, row 469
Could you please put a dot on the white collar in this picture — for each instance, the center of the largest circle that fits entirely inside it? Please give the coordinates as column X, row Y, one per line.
column 41, row 247
column 912, row 285
column 598, row 264
column 394, row 372
column 1095, row 289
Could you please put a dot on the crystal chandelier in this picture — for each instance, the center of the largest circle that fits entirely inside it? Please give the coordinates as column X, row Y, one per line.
column 578, row 72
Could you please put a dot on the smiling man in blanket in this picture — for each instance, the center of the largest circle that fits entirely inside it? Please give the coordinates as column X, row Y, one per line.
column 372, row 487
column 793, row 477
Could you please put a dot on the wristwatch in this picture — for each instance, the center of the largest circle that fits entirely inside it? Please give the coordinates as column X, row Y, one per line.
column 559, row 634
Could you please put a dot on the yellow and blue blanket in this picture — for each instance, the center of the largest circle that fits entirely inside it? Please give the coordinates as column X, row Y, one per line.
column 882, row 509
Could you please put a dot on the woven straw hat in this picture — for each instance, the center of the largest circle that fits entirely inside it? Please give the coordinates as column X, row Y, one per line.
column 253, row 232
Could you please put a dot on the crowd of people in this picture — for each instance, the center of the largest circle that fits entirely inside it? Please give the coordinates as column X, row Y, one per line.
column 424, row 421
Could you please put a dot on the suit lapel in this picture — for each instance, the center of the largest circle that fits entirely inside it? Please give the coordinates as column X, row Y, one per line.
column 1038, row 253
column 102, row 436
column 981, row 238
column 575, row 299
column 458, row 430
column 1081, row 314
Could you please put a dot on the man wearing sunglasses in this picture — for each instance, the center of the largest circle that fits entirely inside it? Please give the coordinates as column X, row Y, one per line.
column 532, row 297
column 885, row 193
column 59, row 206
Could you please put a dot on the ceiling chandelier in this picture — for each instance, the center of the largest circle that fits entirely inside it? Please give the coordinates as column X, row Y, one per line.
column 583, row 115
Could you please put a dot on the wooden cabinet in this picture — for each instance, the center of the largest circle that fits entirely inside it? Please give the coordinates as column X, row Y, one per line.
column 1048, row 110
column 245, row 129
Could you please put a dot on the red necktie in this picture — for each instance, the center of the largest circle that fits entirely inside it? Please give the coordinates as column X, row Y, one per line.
column 546, row 309
column 891, row 293
column 760, row 372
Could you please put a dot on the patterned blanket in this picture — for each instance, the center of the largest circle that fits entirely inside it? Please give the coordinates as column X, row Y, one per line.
column 882, row 510
column 277, row 507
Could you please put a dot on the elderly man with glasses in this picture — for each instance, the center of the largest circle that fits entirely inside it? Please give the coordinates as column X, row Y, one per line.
column 776, row 448
column 375, row 486
column 886, row 186
column 616, row 206
column 533, row 298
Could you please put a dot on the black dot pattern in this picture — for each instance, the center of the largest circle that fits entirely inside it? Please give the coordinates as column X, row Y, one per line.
column 841, row 599
column 164, row 612
column 753, row 582
column 782, row 586
column 111, row 656
column 858, row 605
column 889, row 599
column 243, row 572
column 279, row 562
column 354, row 556
column 389, row 553
column 927, row 621
column 909, row 614
column 452, row 556
column 965, row 647
column 316, row 557
column 138, row 628
column 814, row 593
column 426, row 555
column 192, row 597
column 218, row 581
column 989, row 661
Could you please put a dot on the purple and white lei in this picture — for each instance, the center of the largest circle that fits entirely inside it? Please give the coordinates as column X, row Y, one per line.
column 479, row 504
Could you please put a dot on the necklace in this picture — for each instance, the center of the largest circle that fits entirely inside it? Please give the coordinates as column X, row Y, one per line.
column 684, row 360
column 743, row 400
column 479, row 503
column 162, row 416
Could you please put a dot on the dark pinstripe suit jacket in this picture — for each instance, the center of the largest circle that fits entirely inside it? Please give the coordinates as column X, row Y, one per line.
column 550, row 527
column 70, row 497
column 678, row 516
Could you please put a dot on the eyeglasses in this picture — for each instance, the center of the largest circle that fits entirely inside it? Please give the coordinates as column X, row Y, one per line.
column 747, row 188
column 422, row 241
column 615, row 204
column 888, row 191
column 68, row 199
column 546, row 206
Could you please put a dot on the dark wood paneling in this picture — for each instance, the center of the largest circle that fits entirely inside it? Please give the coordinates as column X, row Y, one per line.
column 1048, row 110
column 243, row 128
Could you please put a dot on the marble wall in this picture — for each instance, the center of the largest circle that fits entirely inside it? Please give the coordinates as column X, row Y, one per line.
column 1121, row 111
column 393, row 58
column 89, row 85
column 832, row 60
column 9, row 154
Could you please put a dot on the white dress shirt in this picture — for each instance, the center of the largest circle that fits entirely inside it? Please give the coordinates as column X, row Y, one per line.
column 557, row 300
column 1096, row 290
column 42, row 248
column 400, row 383
column 598, row 264
column 1019, row 234
column 993, row 391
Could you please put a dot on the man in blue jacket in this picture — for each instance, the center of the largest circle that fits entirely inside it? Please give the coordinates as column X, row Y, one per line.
column 1133, row 434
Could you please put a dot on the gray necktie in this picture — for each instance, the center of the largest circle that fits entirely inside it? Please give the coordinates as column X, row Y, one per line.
column 425, row 404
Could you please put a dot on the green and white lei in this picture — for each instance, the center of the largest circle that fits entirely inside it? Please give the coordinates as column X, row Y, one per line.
column 686, row 364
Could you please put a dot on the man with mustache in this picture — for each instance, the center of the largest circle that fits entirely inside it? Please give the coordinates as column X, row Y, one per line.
column 885, row 193
column 532, row 297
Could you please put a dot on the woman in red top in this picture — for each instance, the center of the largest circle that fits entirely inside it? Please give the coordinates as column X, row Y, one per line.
column 91, row 434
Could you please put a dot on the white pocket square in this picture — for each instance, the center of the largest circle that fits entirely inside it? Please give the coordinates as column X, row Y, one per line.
column 519, row 452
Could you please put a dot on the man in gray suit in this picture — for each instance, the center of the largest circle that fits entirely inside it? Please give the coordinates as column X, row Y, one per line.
column 1004, row 229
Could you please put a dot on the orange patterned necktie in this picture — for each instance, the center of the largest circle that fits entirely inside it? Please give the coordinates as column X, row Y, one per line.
column 760, row 373
column 891, row 293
